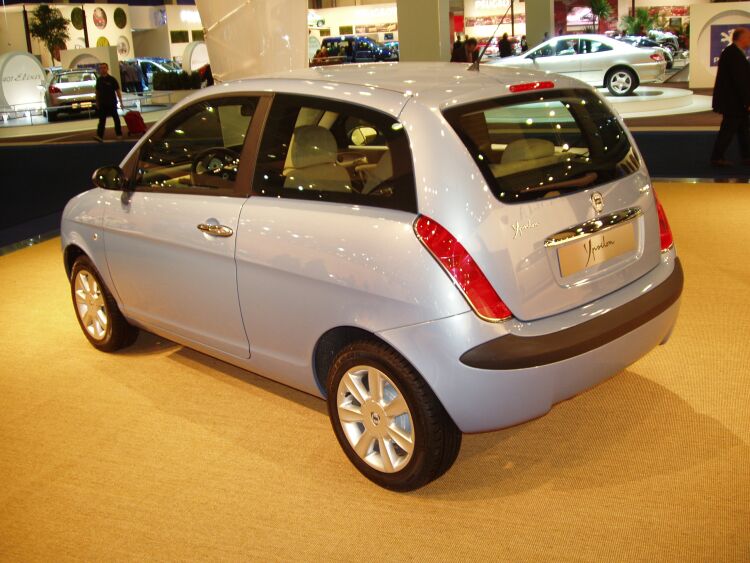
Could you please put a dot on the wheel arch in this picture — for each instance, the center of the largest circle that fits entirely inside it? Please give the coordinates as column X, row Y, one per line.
column 70, row 254
column 331, row 343
column 621, row 66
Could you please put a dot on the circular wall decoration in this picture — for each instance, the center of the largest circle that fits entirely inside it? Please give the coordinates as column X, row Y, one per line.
column 123, row 46
column 102, row 42
column 121, row 18
column 76, row 18
column 100, row 18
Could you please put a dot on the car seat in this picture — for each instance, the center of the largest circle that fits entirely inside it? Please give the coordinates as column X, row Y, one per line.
column 525, row 154
column 313, row 163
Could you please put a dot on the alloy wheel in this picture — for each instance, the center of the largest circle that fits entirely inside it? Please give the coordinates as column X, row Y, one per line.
column 90, row 305
column 375, row 418
column 621, row 82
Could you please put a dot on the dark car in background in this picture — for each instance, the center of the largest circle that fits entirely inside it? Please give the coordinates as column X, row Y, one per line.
column 355, row 49
column 70, row 92
column 646, row 43
column 152, row 65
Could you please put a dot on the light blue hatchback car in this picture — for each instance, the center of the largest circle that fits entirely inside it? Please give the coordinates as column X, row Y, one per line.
column 432, row 250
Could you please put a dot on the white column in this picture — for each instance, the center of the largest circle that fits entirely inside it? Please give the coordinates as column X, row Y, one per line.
column 250, row 37
column 423, row 30
column 540, row 17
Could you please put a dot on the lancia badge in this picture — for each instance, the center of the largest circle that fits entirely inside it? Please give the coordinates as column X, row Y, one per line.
column 597, row 202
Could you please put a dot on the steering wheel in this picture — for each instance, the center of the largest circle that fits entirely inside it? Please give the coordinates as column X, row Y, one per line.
column 218, row 163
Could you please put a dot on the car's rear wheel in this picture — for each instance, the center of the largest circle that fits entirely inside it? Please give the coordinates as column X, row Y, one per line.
column 96, row 310
column 51, row 116
column 387, row 420
column 621, row 82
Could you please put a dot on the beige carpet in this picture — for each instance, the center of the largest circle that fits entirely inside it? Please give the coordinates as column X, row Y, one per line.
column 161, row 453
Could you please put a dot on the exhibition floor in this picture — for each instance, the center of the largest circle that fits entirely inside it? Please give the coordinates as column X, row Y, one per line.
column 163, row 453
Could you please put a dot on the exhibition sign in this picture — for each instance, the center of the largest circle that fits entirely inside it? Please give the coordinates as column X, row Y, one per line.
column 721, row 37
column 22, row 78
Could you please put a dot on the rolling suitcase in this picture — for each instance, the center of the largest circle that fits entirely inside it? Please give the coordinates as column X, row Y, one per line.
column 135, row 124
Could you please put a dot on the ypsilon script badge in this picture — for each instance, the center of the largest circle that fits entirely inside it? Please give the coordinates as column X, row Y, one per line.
column 597, row 202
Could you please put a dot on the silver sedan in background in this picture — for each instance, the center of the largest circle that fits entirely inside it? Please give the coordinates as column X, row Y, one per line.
column 595, row 59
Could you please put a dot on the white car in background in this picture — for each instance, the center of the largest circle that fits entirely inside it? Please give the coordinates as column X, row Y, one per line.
column 595, row 59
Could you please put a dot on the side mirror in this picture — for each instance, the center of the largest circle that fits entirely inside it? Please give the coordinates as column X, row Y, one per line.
column 109, row 178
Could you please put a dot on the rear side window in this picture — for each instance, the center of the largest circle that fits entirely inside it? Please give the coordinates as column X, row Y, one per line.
column 531, row 147
column 325, row 150
column 589, row 46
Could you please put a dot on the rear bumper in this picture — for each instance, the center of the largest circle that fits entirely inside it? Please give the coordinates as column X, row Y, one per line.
column 517, row 352
column 650, row 72
column 488, row 376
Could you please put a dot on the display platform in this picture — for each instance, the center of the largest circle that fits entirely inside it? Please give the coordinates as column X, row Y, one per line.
column 652, row 101
column 159, row 452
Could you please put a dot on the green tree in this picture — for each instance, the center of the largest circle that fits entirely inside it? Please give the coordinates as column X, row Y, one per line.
column 601, row 10
column 638, row 24
column 50, row 27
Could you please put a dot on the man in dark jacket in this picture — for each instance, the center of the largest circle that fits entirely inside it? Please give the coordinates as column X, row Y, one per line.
column 505, row 46
column 732, row 98
column 107, row 94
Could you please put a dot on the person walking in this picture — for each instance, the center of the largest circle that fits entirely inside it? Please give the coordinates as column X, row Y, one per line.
column 732, row 98
column 524, row 44
column 458, row 54
column 505, row 45
column 107, row 94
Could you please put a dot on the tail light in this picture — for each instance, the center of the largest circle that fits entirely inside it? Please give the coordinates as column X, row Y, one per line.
column 657, row 57
column 665, row 232
column 54, row 90
column 462, row 269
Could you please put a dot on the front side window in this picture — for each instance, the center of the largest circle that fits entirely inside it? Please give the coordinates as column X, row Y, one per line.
column 545, row 50
column 199, row 148
column 531, row 147
column 325, row 150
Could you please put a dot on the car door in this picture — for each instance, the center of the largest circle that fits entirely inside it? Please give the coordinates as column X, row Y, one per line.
column 364, row 51
column 170, row 239
column 321, row 226
column 596, row 59
column 559, row 56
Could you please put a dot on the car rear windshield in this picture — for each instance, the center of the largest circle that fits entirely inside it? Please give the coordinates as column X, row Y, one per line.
column 542, row 145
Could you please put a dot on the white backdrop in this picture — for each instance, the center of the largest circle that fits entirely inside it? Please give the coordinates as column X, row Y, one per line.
column 250, row 37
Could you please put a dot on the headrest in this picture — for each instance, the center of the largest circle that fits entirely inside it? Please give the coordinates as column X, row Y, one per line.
column 312, row 145
column 527, row 149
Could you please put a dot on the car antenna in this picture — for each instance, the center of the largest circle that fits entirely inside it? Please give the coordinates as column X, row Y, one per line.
column 475, row 64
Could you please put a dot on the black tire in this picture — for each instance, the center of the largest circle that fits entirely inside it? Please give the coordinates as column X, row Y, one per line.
column 436, row 439
column 117, row 332
column 621, row 81
column 51, row 116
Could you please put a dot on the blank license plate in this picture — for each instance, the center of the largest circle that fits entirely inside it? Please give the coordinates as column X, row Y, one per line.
column 596, row 249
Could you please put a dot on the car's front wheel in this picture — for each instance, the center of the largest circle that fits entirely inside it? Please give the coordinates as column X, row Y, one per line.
column 387, row 419
column 96, row 310
column 621, row 82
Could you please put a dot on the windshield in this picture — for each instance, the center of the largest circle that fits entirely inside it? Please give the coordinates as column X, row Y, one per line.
column 531, row 147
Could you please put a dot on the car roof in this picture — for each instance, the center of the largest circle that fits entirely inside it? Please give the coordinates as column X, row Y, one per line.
column 378, row 84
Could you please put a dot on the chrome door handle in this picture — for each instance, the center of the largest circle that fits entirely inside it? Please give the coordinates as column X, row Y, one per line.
column 215, row 230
